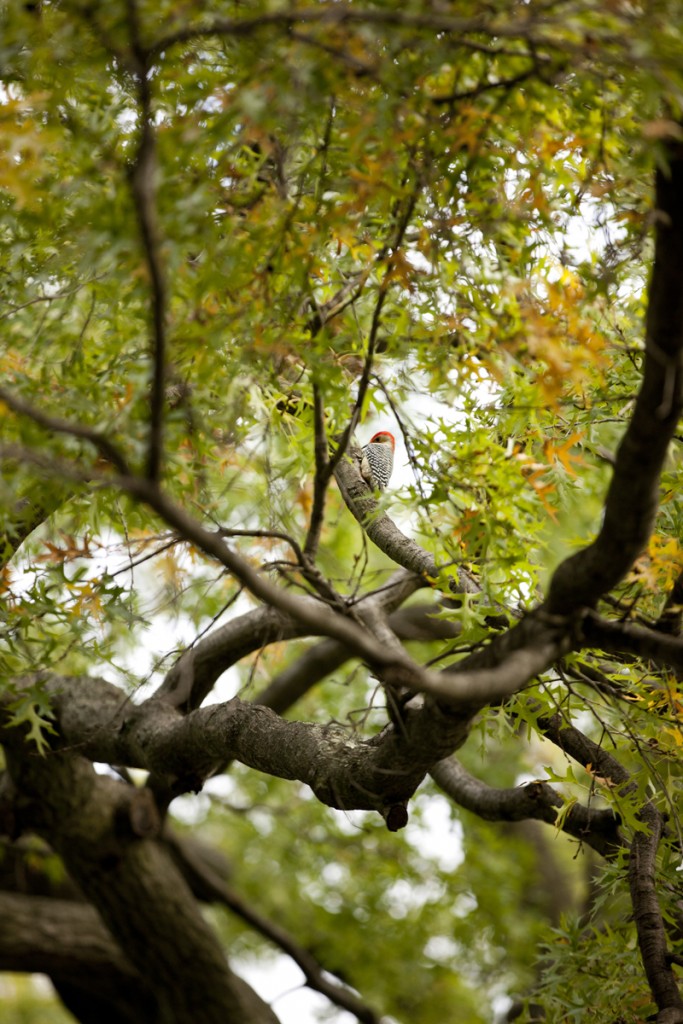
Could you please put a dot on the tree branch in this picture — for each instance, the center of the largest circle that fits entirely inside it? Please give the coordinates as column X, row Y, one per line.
column 316, row 617
column 321, row 478
column 96, row 719
column 671, row 616
column 586, row 752
column 530, row 650
column 632, row 498
column 625, row 637
column 648, row 918
column 413, row 623
column 193, row 675
column 56, row 936
column 57, row 425
column 506, row 84
column 144, row 185
column 27, row 515
column 382, row 531
column 599, row 829
column 392, row 248
column 129, row 876
column 68, row 941
column 342, row 771
column 345, row 14
column 198, row 668
column 214, row 889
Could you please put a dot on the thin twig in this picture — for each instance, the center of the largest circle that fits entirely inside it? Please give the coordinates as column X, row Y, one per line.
column 477, row 90
column 359, row 67
column 322, row 475
column 62, row 294
column 228, row 531
column 133, row 564
column 374, row 329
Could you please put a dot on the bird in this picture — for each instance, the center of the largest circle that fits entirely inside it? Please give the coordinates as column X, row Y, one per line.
column 378, row 460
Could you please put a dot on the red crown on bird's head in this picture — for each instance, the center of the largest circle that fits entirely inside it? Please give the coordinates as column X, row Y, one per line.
column 383, row 437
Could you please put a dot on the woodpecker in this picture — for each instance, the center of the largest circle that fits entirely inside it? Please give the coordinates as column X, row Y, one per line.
column 378, row 460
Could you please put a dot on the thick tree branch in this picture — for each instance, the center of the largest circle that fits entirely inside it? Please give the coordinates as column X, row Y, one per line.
column 66, row 939
column 195, row 672
column 344, row 772
column 529, row 650
column 60, row 937
column 417, row 622
column 68, row 942
column 599, row 829
column 293, row 682
column 671, row 617
column 627, row 638
column 92, row 822
column 648, row 918
column 586, row 752
column 632, row 498
column 341, row 771
column 315, row 616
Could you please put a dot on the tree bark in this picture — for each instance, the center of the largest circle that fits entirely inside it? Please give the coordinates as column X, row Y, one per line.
column 93, row 823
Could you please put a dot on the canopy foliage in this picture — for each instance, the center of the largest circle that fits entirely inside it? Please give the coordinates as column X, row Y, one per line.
column 437, row 729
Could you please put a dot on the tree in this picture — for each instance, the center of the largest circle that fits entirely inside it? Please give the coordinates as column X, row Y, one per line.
column 236, row 240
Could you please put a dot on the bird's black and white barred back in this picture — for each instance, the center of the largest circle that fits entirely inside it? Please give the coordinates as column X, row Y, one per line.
column 378, row 460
